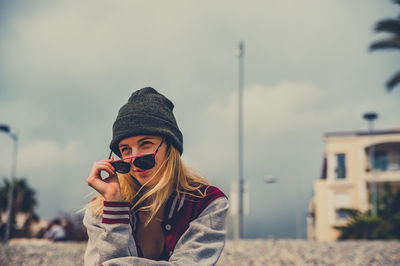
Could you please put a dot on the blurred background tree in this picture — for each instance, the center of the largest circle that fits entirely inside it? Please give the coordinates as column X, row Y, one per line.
column 392, row 27
column 24, row 202
column 386, row 225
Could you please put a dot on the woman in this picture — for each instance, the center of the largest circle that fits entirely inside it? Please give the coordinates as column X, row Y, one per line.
column 155, row 211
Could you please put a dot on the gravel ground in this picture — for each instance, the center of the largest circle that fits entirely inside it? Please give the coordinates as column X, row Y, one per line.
column 302, row 252
column 243, row 252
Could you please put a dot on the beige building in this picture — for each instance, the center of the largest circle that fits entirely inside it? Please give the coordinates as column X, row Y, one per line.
column 346, row 177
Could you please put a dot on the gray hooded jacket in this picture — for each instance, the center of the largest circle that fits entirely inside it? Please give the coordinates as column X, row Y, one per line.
column 111, row 237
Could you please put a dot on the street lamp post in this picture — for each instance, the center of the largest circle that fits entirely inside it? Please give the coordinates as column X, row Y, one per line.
column 238, row 229
column 6, row 129
column 371, row 117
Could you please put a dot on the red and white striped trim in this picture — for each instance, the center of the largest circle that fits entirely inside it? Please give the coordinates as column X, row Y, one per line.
column 116, row 212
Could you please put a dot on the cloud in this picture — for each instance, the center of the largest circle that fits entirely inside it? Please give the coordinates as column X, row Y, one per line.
column 275, row 109
column 270, row 112
column 47, row 155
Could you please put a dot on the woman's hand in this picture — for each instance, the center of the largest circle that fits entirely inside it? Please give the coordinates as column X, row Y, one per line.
column 109, row 187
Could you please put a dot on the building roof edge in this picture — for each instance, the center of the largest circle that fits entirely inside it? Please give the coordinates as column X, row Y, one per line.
column 360, row 133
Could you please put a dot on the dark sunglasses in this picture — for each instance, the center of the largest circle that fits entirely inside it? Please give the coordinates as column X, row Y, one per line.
column 144, row 162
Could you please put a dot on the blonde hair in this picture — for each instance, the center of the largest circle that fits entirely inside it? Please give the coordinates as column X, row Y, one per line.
column 174, row 176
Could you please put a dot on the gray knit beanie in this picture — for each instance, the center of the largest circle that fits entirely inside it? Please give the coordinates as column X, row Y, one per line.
column 147, row 112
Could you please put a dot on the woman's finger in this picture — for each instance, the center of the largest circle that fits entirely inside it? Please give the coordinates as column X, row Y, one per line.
column 108, row 187
column 102, row 166
column 95, row 174
column 98, row 184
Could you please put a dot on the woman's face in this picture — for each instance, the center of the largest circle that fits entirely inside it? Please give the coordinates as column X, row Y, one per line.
column 142, row 145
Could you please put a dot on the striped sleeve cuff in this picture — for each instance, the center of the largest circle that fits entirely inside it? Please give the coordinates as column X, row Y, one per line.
column 116, row 212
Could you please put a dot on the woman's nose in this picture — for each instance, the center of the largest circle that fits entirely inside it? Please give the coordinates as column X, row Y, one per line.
column 134, row 152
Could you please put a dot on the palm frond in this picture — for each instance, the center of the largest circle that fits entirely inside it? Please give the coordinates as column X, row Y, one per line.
column 389, row 26
column 391, row 43
column 393, row 81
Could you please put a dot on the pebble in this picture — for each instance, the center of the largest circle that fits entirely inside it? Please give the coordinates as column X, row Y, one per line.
column 237, row 252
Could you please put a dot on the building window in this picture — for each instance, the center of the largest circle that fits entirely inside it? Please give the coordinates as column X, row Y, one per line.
column 341, row 203
column 342, row 214
column 341, row 166
column 324, row 169
column 381, row 160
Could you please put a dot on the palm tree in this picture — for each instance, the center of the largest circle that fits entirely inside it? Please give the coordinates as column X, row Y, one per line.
column 366, row 226
column 24, row 201
column 392, row 27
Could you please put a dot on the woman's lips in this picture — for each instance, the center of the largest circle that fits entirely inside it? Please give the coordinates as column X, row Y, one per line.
column 141, row 172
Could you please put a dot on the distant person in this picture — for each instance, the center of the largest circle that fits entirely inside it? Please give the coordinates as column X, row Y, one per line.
column 155, row 211
column 56, row 231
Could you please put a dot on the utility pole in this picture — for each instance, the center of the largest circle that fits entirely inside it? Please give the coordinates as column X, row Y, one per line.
column 6, row 129
column 238, row 229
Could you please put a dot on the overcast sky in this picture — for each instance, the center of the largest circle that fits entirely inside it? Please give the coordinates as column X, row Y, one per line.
column 66, row 67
